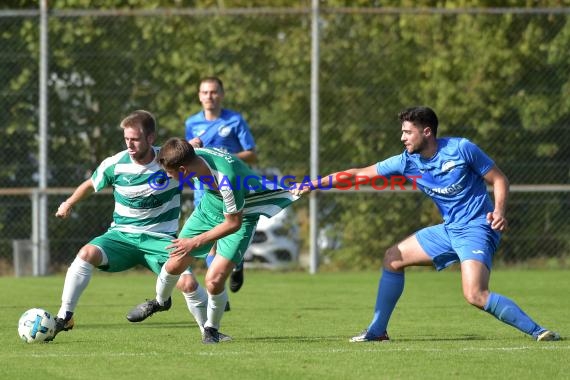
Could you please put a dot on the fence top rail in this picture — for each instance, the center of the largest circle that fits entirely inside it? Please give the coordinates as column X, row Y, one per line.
column 279, row 11
column 544, row 188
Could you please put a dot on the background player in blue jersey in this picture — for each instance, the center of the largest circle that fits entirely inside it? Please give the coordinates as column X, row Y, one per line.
column 453, row 172
column 217, row 127
column 227, row 130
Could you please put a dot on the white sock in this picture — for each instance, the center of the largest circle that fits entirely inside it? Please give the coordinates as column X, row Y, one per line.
column 216, row 306
column 197, row 302
column 76, row 280
column 165, row 283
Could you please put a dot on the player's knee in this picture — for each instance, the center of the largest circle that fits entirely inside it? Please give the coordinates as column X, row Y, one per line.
column 90, row 254
column 187, row 284
column 175, row 267
column 393, row 259
column 215, row 282
column 476, row 298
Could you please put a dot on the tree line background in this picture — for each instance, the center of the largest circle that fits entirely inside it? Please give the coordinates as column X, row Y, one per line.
column 499, row 76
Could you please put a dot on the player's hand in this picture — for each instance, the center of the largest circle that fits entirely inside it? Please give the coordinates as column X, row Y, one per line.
column 196, row 142
column 181, row 247
column 497, row 221
column 64, row 210
column 302, row 189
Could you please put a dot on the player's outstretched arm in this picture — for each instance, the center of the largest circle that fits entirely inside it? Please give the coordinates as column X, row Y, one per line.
column 347, row 177
column 83, row 190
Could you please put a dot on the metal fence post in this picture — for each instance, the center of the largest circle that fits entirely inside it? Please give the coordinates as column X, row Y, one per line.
column 42, row 240
column 313, row 201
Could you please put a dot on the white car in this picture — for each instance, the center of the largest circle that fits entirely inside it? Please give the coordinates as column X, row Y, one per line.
column 275, row 244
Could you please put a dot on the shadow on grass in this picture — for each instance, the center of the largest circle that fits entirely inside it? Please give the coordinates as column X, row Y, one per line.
column 291, row 339
column 345, row 338
column 439, row 338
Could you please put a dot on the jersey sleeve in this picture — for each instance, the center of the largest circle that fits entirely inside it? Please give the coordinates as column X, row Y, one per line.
column 478, row 160
column 394, row 165
column 104, row 174
column 244, row 135
column 233, row 196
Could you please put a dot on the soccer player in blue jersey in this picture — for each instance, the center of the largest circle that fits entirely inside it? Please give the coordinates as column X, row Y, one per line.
column 224, row 129
column 217, row 127
column 145, row 221
column 453, row 172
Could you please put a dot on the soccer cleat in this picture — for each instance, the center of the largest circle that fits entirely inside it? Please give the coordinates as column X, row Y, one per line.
column 141, row 312
column 61, row 325
column 227, row 308
column 363, row 337
column 224, row 337
column 236, row 278
column 210, row 335
column 548, row 336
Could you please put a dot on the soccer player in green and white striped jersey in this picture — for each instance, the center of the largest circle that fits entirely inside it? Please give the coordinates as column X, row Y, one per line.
column 234, row 199
column 145, row 219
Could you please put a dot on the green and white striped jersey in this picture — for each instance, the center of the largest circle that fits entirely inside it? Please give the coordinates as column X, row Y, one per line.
column 145, row 200
column 240, row 188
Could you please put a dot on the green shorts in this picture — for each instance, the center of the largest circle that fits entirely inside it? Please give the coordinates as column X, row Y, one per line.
column 232, row 247
column 126, row 250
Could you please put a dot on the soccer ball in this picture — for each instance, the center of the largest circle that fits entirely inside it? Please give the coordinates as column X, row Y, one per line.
column 36, row 325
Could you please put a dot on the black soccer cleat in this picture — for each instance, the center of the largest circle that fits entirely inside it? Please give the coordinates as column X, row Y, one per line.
column 236, row 278
column 61, row 325
column 210, row 335
column 141, row 312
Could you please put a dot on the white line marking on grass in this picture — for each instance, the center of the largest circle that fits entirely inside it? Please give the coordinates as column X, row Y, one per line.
column 92, row 354
column 403, row 349
column 296, row 351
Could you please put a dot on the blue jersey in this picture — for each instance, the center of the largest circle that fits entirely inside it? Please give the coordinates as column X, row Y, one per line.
column 452, row 178
column 229, row 132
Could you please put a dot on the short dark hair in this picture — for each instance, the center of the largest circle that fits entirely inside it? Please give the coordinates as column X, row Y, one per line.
column 174, row 153
column 420, row 117
column 212, row 79
column 140, row 118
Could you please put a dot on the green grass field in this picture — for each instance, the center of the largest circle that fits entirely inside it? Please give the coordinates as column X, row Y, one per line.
column 292, row 326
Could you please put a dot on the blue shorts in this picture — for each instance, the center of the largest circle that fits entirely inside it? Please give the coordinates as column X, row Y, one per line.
column 447, row 245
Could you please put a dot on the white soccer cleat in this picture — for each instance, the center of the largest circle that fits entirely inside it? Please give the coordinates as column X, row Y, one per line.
column 548, row 336
column 363, row 337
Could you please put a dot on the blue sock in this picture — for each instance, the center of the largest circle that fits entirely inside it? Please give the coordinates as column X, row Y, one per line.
column 507, row 311
column 390, row 289
column 209, row 260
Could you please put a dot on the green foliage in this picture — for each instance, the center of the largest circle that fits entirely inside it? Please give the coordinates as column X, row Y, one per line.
column 501, row 80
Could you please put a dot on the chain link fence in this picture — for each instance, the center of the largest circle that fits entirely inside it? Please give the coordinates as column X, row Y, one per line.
column 500, row 77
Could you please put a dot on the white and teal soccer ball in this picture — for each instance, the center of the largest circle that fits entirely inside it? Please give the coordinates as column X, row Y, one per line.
column 36, row 325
